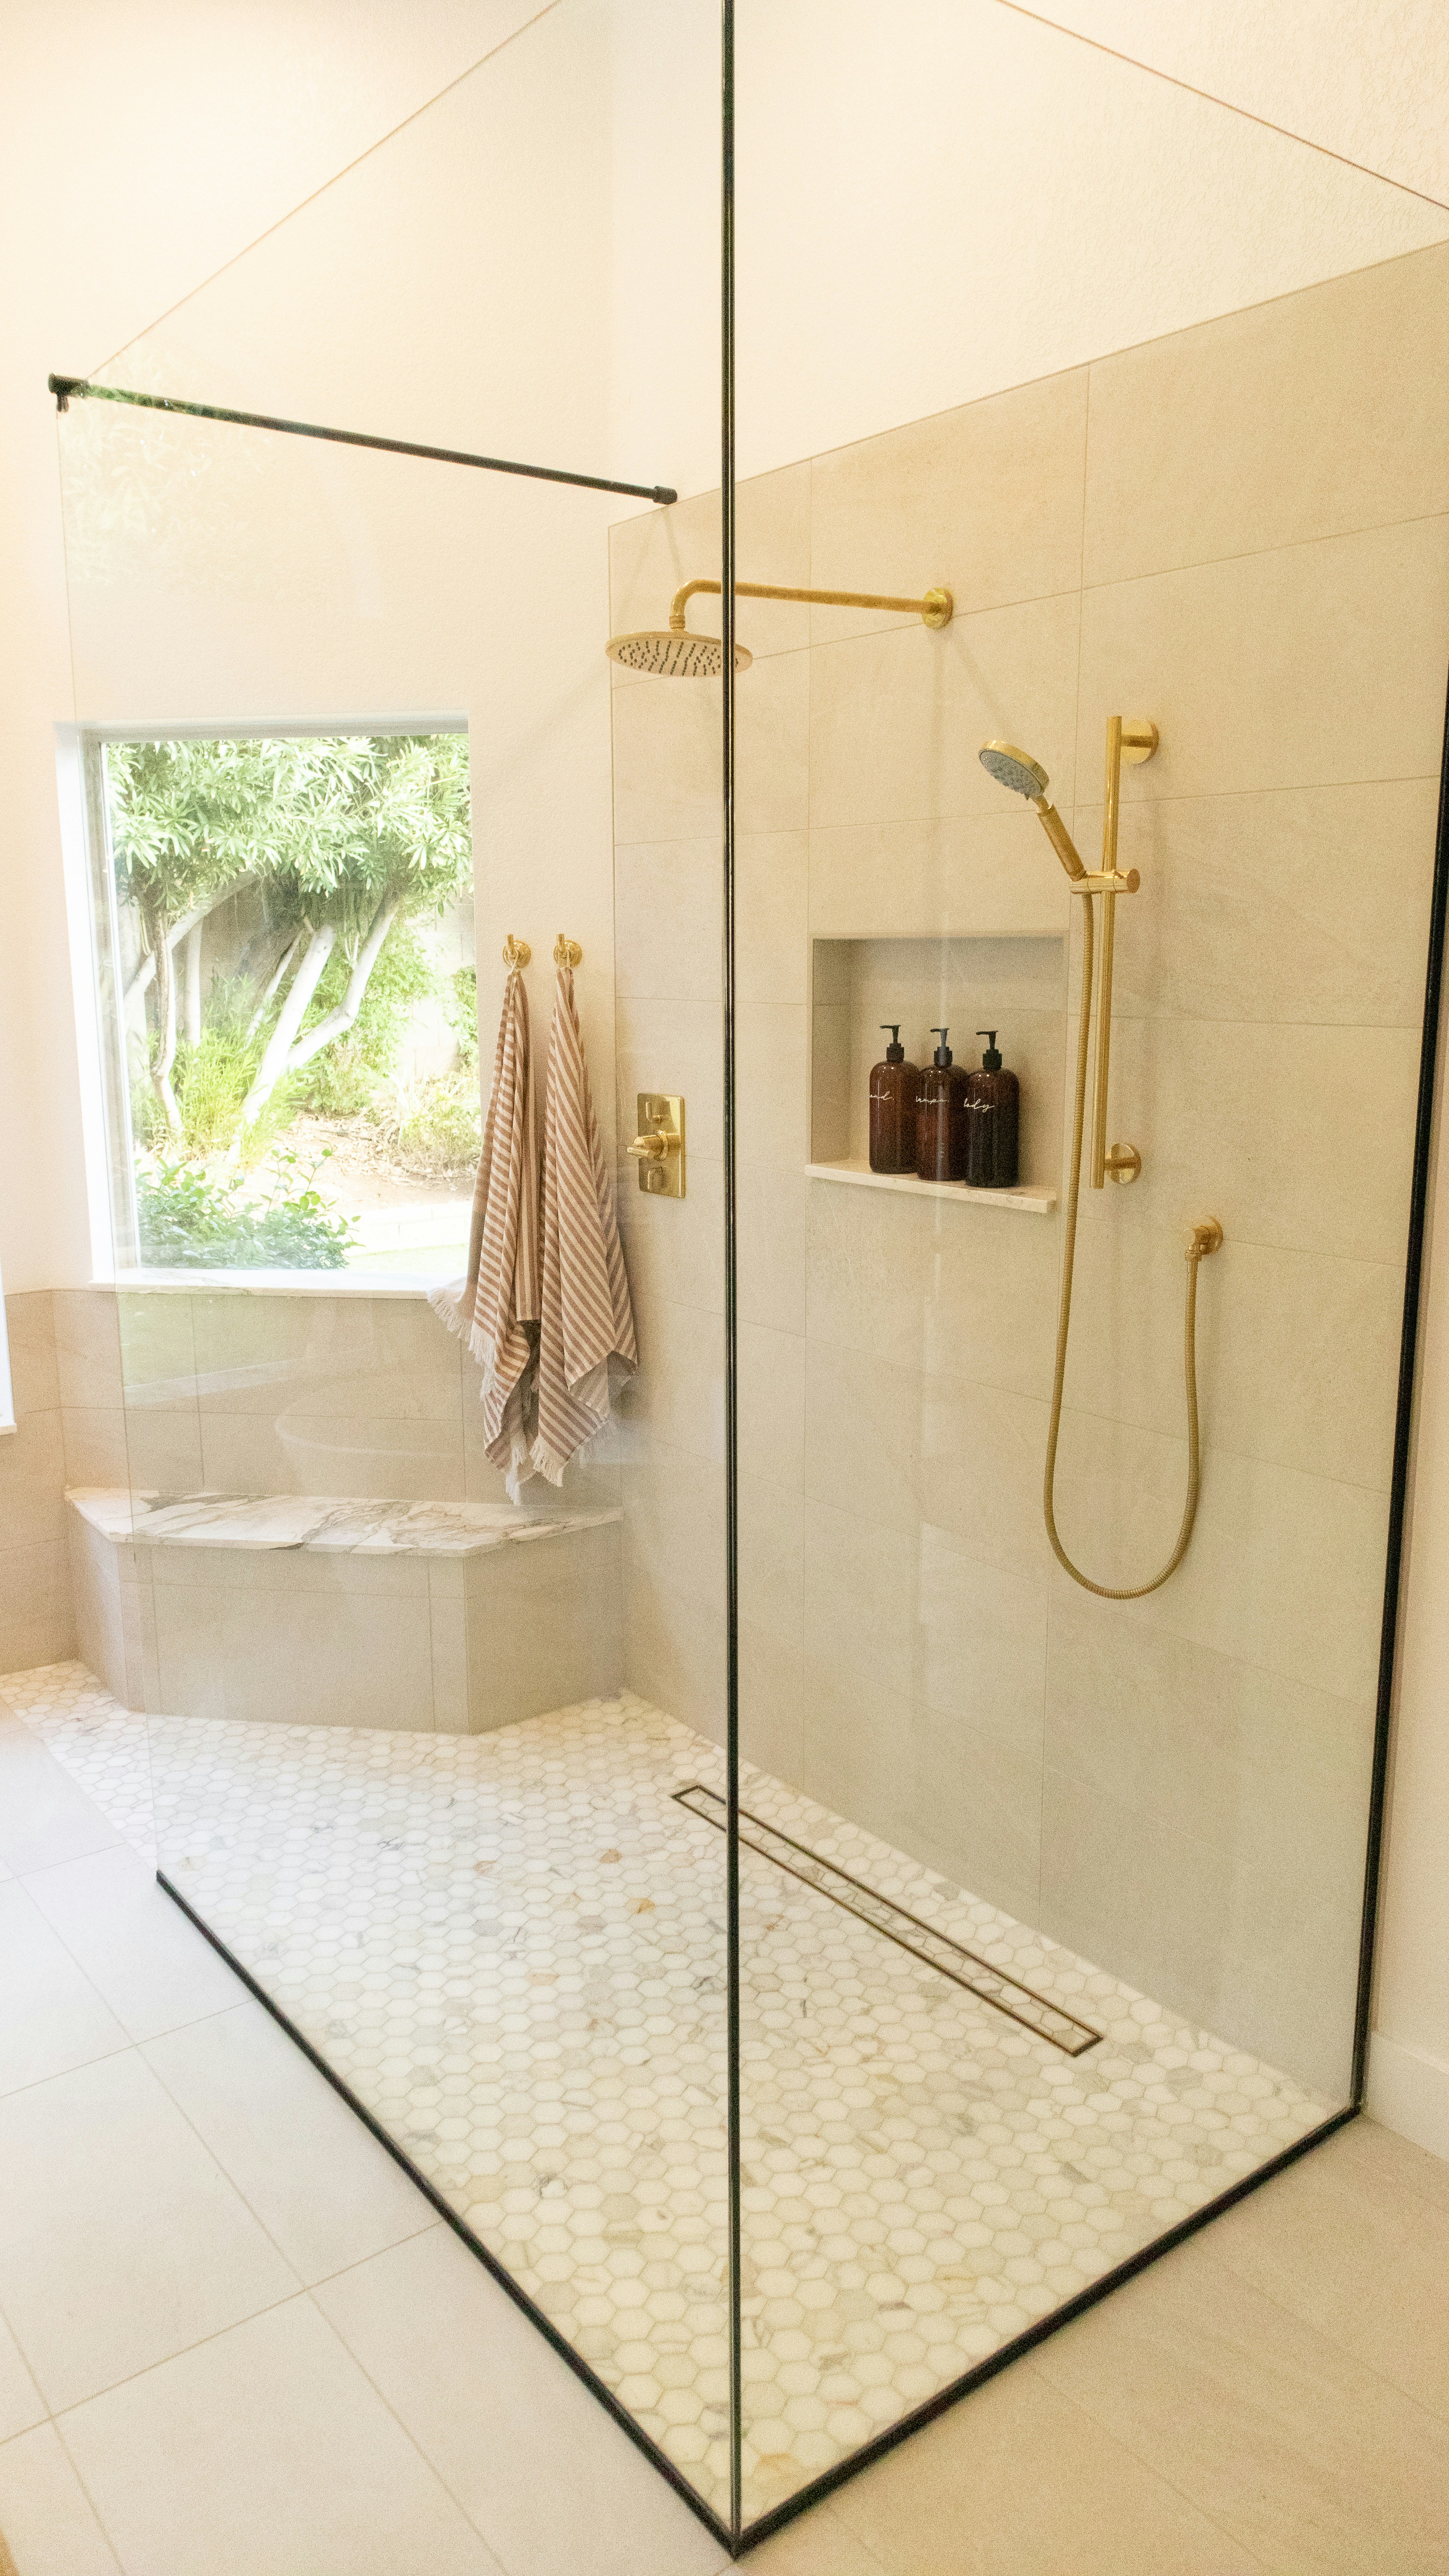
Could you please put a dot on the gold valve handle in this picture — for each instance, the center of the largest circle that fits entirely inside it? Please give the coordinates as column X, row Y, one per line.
column 653, row 1149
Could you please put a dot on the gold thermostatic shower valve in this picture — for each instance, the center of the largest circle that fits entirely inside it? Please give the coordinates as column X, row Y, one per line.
column 659, row 1145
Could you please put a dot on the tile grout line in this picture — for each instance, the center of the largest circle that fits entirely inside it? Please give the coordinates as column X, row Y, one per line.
column 1159, row 2476
column 408, row 2435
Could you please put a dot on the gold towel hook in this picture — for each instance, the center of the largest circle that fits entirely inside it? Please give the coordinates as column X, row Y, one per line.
column 516, row 953
column 567, row 952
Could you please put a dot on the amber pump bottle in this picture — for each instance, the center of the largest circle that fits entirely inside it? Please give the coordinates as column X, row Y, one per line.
column 992, row 1120
column 893, row 1087
column 941, row 1117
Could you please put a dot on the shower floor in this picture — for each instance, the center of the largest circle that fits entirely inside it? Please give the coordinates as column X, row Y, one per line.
column 511, row 1948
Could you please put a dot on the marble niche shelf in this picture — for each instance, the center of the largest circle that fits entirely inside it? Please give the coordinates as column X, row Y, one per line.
column 1023, row 1200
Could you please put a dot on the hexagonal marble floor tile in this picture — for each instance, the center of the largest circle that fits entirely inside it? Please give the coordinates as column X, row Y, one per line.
column 512, row 1948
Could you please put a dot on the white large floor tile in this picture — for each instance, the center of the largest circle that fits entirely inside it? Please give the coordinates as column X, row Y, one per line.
column 317, row 2179
column 45, row 2514
column 265, row 2450
column 121, row 2240
column 554, row 2485
column 44, row 1817
column 51, row 2017
column 21, row 2404
column 153, row 1967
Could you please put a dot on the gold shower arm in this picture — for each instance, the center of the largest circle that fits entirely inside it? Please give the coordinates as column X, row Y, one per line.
column 935, row 609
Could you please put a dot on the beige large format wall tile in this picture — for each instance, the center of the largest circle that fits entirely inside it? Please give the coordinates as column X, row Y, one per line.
column 543, row 1626
column 677, row 1400
column 34, row 1369
column 1307, row 666
column 418, row 1460
column 158, row 1377
column 985, row 502
column 772, row 958
column 667, row 753
column 674, row 1248
column 961, row 876
column 771, row 1200
column 772, row 1626
column 1293, row 1134
column 386, row 1356
column 674, row 1045
column 1309, row 417
column 897, row 720
column 88, row 1348
column 1274, row 1325
column 668, row 910
column 1289, row 904
column 674, row 1588
column 328, row 1650
column 1285, row 1569
column 1244, row 533
column 37, row 1621
column 1172, row 1775
column 37, row 1617
column 909, row 1449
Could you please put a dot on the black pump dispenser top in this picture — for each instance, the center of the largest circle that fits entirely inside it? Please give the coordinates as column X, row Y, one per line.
column 895, row 1053
column 943, row 1052
column 991, row 1061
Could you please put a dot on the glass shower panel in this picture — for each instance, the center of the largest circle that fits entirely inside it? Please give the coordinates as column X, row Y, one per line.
column 344, row 716
column 1052, row 1873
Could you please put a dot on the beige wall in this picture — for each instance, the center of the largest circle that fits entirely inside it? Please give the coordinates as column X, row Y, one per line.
column 1243, row 531
column 37, row 1622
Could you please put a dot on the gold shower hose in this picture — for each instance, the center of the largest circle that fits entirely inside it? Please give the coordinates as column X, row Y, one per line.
column 1206, row 1238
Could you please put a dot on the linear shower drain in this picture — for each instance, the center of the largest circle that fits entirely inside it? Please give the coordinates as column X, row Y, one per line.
column 989, row 1985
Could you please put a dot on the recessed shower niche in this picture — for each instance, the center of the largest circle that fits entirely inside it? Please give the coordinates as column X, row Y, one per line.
column 1015, row 985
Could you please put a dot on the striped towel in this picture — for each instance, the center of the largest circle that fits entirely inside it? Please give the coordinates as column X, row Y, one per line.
column 586, row 1320
column 496, row 1306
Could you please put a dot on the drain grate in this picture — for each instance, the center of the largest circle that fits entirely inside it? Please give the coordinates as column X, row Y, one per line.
column 990, row 1985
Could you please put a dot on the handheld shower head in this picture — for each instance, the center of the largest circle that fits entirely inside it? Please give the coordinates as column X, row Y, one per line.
column 670, row 653
column 1014, row 769
column 1026, row 777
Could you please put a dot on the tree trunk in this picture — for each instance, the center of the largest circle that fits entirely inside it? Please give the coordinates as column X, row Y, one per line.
column 166, row 1035
column 193, row 985
column 283, row 962
column 338, row 1022
column 178, row 930
column 275, row 1061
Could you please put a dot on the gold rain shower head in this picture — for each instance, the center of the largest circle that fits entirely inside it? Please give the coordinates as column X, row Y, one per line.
column 672, row 653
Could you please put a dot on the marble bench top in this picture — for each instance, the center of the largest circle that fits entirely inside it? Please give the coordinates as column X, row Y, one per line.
column 357, row 1524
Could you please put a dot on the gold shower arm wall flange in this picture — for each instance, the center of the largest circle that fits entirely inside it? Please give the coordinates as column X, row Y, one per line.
column 936, row 609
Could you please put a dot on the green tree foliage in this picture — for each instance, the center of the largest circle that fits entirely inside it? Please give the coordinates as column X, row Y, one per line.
column 347, row 840
column 345, row 836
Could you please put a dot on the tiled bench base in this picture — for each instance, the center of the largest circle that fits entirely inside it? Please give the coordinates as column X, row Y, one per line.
column 454, row 1617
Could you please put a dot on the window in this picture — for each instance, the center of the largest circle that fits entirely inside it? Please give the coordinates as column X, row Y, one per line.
column 288, row 999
